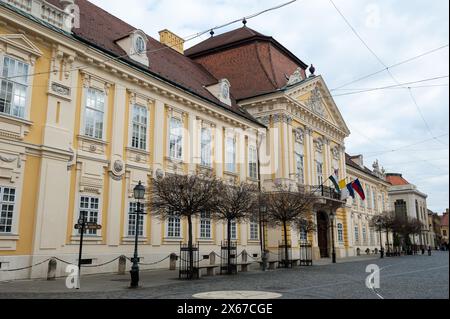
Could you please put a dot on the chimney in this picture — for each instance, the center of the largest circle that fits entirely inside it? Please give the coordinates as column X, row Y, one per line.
column 171, row 40
column 358, row 159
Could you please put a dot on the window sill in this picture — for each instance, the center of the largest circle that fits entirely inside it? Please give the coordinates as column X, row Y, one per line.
column 15, row 119
column 138, row 150
column 174, row 160
column 173, row 239
column 88, row 238
column 6, row 236
column 234, row 174
column 131, row 240
column 92, row 139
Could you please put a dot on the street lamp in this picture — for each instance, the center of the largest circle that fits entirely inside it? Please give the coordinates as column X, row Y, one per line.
column 139, row 194
column 333, row 254
column 262, row 217
column 378, row 223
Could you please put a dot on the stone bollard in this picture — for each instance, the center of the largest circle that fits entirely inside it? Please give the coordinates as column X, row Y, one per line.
column 244, row 257
column 212, row 259
column 51, row 273
column 173, row 261
column 122, row 265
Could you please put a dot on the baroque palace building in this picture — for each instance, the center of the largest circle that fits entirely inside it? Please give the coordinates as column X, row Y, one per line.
column 91, row 106
column 363, row 235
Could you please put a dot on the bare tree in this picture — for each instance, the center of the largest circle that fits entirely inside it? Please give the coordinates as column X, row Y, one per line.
column 235, row 203
column 186, row 197
column 286, row 205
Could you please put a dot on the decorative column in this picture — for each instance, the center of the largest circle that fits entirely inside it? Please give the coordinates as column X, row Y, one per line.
column 309, row 156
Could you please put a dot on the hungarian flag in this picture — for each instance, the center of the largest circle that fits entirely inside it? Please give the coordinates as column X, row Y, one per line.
column 359, row 189
column 334, row 180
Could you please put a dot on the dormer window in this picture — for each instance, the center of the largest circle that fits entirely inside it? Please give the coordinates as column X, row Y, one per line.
column 135, row 44
column 221, row 91
column 139, row 45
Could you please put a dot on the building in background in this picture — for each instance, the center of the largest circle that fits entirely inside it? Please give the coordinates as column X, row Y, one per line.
column 409, row 203
column 362, row 235
column 444, row 228
column 435, row 236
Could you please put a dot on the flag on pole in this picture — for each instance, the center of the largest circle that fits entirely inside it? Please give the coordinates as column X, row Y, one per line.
column 334, row 180
column 343, row 184
column 351, row 190
column 359, row 189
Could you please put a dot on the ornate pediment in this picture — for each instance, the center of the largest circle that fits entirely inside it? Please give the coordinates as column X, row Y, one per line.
column 315, row 103
column 15, row 43
column 296, row 77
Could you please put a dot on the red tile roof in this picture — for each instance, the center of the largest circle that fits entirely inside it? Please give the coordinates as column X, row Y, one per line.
column 396, row 179
column 102, row 29
column 254, row 64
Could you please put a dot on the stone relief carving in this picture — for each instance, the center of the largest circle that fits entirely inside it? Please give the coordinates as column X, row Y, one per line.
column 72, row 159
column 299, row 135
column 315, row 103
column 336, row 152
column 296, row 77
column 11, row 159
column 319, row 145
column 60, row 89
column 117, row 170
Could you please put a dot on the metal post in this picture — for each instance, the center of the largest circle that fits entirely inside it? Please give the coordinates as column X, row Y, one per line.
column 381, row 244
column 332, row 240
column 135, row 268
column 80, row 254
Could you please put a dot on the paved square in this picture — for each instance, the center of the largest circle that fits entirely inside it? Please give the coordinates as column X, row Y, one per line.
column 411, row 277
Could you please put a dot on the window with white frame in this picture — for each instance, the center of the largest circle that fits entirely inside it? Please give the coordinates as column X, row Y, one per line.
column 369, row 198
column 7, row 204
column 254, row 229
column 364, row 234
column 205, row 225
column 319, row 168
column 357, row 234
column 13, row 87
column 230, row 155
column 176, row 138
column 303, row 235
column 94, row 113
column 375, row 200
column 300, row 162
column 252, row 162
column 139, row 134
column 372, row 237
column 132, row 208
column 340, row 228
column 173, row 225
column 233, row 230
column 206, row 147
column 383, row 203
column 89, row 210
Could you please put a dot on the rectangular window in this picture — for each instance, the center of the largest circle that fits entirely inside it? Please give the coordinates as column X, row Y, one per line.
column 7, row 203
column 253, row 162
column 176, row 139
column 364, row 233
column 233, row 229
column 94, row 113
column 319, row 172
column 13, row 87
column 174, row 226
column 206, row 142
column 205, row 225
column 254, row 229
column 139, row 137
column 340, row 232
column 89, row 209
column 357, row 234
column 230, row 155
column 303, row 235
column 299, row 163
column 369, row 197
column 132, row 220
column 383, row 204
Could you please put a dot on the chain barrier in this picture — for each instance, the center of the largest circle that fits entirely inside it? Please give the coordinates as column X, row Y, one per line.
column 104, row 264
column 24, row 268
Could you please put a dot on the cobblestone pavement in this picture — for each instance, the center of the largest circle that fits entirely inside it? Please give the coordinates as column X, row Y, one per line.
column 412, row 277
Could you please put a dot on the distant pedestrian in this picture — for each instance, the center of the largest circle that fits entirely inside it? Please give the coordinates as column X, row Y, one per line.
column 429, row 250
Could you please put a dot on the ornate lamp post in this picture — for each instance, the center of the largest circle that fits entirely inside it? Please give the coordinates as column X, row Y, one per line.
column 333, row 254
column 139, row 194
column 262, row 216
column 378, row 224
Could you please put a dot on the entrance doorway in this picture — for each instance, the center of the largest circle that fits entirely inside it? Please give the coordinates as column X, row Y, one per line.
column 322, row 234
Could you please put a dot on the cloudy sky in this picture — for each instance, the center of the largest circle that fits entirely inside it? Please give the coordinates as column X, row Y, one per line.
column 386, row 124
